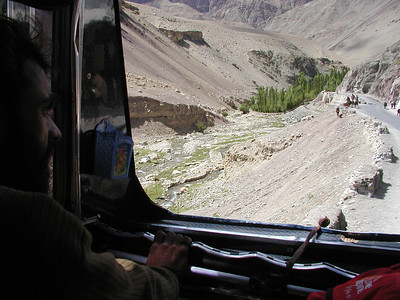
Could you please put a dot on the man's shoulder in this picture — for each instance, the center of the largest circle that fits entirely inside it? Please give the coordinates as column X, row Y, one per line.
column 9, row 191
column 20, row 201
column 44, row 240
column 34, row 211
column 36, row 220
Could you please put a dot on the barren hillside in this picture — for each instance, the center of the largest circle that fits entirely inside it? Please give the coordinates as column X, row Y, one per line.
column 380, row 77
column 181, row 70
column 250, row 168
column 224, row 66
column 303, row 178
column 356, row 30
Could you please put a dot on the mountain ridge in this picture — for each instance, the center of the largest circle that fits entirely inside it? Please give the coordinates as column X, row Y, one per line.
column 221, row 71
column 359, row 29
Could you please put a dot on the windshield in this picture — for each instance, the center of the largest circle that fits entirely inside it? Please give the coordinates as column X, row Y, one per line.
column 105, row 146
column 233, row 118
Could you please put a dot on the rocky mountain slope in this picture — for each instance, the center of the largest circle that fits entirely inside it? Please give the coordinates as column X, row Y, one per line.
column 181, row 70
column 217, row 65
column 208, row 64
column 358, row 30
column 380, row 77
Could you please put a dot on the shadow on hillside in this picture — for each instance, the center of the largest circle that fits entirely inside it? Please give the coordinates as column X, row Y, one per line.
column 186, row 45
column 394, row 159
column 381, row 192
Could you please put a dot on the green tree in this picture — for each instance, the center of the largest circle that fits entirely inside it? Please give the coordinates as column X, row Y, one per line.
column 244, row 108
column 268, row 99
column 200, row 126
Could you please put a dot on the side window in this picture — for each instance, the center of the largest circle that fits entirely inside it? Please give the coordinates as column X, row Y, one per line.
column 102, row 93
column 105, row 143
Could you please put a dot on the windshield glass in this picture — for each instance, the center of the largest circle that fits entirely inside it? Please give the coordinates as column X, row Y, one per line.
column 277, row 123
column 106, row 149
column 102, row 92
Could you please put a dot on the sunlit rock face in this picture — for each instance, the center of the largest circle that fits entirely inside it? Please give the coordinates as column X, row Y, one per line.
column 379, row 77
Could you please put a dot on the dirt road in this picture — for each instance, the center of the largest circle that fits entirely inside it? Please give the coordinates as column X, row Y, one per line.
column 382, row 212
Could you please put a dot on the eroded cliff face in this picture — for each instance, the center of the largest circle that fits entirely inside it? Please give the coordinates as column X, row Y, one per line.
column 180, row 36
column 380, row 77
column 289, row 65
column 181, row 118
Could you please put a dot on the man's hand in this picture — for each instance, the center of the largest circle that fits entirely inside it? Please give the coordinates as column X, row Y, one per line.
column 169, row 250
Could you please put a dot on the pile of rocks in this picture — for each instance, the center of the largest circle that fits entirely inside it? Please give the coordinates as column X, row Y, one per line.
column 373, row 130
column 366, row 180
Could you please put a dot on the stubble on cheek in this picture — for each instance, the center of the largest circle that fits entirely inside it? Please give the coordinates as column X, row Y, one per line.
column 36, row 171
column 42, row 171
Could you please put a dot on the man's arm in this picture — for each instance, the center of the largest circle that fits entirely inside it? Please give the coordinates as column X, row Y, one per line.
column 52, row 256
column 101, row 277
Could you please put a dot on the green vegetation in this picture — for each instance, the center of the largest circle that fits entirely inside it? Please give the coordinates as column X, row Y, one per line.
column 269, row 99
column 244, row 108
column 182, row 205
column 200, row 126
column 154, row 190
column 199, row 155
column 140, row 153
column 165, row 174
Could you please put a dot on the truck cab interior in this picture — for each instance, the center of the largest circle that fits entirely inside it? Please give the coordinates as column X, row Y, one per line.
column 94, row 177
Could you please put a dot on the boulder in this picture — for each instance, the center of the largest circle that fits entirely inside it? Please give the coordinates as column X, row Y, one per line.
column 334, row 214
column 366, row 180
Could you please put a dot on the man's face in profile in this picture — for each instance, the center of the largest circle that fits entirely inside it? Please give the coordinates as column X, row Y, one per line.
column 32, row 134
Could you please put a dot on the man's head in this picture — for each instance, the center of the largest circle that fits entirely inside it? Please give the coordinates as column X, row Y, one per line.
column 27, row 130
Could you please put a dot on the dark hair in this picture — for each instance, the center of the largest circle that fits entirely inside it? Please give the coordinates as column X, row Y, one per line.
column 17, row 46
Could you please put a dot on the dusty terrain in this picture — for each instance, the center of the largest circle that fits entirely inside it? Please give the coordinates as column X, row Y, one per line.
column 355, row 30
column 229, row 65
column 281, row 168
column 293, row 174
